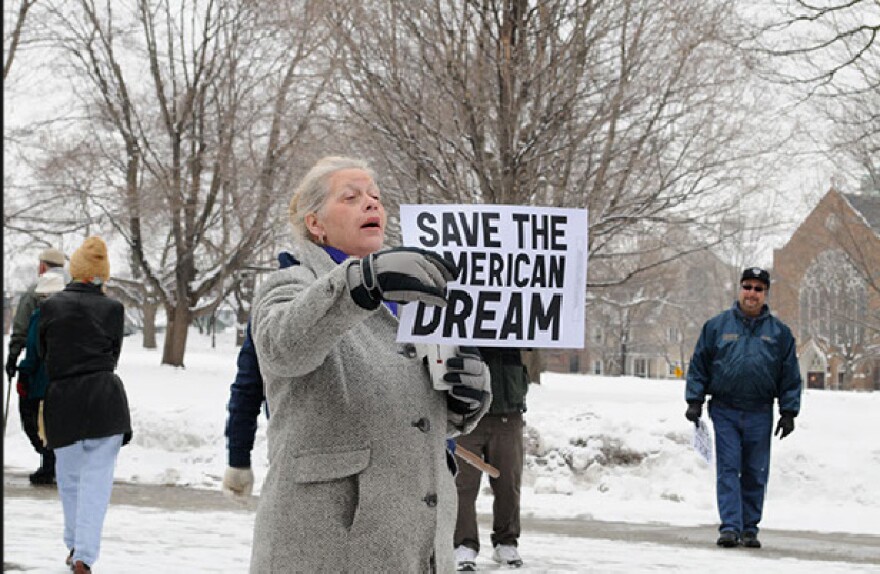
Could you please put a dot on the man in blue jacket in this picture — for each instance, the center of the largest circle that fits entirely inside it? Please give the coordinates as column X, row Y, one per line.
column 246, row 399
column 745, row 359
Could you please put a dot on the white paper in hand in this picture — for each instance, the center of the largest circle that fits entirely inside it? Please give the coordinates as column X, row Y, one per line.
column 702, row 441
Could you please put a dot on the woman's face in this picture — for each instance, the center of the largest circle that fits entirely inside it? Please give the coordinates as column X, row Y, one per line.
column 352, row 218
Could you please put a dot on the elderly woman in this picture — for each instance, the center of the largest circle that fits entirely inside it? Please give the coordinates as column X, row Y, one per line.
column 358, row 478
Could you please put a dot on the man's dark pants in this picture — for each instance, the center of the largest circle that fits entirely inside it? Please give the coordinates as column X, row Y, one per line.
column 499, row 438
column 742, row 454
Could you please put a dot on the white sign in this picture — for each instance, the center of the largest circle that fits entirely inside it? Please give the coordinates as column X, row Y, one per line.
column 702, row 441
column 522, row 275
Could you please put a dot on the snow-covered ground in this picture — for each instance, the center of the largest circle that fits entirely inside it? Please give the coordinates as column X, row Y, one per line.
column 616, row 449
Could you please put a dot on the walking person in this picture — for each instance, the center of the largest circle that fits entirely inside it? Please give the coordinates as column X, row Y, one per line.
column 745, row 360
column 498, row 438
column 358, row 477
column 85, row 412
column 51, row 267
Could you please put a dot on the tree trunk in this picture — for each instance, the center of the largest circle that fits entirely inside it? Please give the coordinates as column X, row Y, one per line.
column 175, row 335
column 149, row 311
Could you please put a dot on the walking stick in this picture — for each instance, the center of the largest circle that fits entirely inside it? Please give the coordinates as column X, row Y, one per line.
column 477, row 462
column 6, row 412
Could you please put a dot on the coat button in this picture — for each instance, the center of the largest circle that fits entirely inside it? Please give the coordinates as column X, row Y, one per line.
column 422, row 424
column 431, row 500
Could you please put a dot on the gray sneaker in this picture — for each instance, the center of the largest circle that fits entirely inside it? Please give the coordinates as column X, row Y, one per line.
column 507, row 555
column 465, row 559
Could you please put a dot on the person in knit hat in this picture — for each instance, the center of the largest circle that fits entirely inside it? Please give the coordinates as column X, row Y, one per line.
column 90, row 261
column 51, row 268
column 86, row 417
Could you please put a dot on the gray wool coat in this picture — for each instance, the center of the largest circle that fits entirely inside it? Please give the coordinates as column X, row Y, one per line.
column 358, row 479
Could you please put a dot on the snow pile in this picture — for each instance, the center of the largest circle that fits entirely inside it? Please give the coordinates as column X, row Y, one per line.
column 609, row 448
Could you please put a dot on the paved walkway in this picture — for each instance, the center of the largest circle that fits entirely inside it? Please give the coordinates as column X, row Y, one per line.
column 816, row 547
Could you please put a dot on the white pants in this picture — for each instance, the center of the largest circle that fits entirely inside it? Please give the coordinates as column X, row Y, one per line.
column 84, row 473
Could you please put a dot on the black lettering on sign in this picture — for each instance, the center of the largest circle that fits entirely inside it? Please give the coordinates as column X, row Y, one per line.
column 460, row 261
column 545, row 319
column 423, row 324
column 513, row 319
column 430, row 237
column 540, row 231
column 485, row 315
column 557, row 233
column 470, row 230
column 529, row 312
column 459, row 307
column 490, row 229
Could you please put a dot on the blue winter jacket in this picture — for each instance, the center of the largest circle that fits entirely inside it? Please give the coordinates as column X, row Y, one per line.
column 745, row 363
column 246, row 396
column 32, row 369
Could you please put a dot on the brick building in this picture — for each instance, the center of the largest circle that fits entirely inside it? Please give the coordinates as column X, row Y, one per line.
column 826, row 287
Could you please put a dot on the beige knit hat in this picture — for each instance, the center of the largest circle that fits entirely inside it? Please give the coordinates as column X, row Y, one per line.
column 90, row 261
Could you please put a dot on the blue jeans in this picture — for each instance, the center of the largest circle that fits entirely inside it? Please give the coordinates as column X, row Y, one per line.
column 742, row 464
column 84, row 473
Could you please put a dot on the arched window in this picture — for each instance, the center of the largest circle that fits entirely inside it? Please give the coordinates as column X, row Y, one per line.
column 833, row 300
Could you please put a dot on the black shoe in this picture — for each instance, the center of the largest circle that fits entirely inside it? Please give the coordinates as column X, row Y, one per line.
column 728, row 539
column 750, row 540
column 42, row 477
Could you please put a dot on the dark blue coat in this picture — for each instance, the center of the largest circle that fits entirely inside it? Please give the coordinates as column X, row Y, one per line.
column 246, row 396
column 745, row 363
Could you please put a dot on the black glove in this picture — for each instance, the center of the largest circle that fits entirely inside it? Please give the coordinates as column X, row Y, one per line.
column 470, row 380
column 785, row 425
column 401, row 274
column 693, row 412
column 11, row 365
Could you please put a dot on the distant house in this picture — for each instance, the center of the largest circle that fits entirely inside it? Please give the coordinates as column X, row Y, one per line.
column 826, row 287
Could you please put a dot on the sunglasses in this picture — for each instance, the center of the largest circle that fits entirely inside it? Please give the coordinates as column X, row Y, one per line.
column 755, row 288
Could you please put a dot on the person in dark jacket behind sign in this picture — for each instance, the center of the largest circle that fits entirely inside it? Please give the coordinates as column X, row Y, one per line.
column 85, row 412
column 745, row 359
column 498, row 439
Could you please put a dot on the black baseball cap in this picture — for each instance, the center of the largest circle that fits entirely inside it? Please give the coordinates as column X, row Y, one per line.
column 756, row 273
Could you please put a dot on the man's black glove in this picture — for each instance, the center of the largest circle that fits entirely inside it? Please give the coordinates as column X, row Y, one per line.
column 11, row 365
column 785, row 426
column 693, row 412
column 471, row 387
column 470, row 380
column 401, row 274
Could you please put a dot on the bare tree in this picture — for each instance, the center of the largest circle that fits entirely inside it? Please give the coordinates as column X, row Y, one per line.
column 200, row 107
column 828, row 53
column 639, row 111
column 13, row 38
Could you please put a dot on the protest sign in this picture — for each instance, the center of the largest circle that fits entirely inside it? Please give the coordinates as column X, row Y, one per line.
column 522, row 275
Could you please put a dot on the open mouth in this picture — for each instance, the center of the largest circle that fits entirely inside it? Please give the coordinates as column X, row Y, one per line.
column 371, row 224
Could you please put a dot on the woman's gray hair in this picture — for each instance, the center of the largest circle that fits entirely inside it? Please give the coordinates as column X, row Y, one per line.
column 312, row 191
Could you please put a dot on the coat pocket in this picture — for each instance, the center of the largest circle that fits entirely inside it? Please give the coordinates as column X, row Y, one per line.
column 330, row 464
